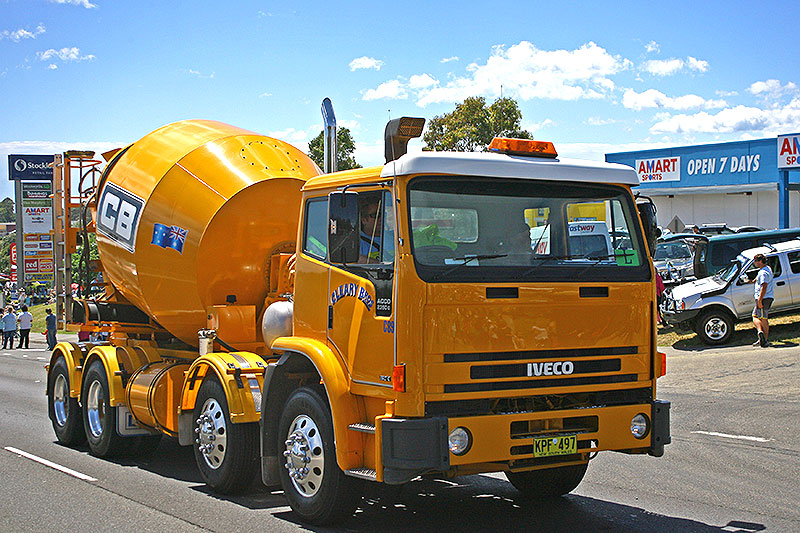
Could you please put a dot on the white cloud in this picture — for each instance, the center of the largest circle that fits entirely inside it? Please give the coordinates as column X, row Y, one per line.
column 696, row 64
column 652, row 46
column 22, row 33
column 598, row 151
column 652, row 98
column 524, row 71
column 198, row 74
column 83, row 3
column 663, row 67
column 597, row 121
column 265, row 95
column 290, row 135
column 52, row 66
column 668, row 67
column 420, row 81
column 392, row 90
column 533, row 127
column 365, row 62
column 64, row 54
column 769, row 122
column 449, row 59
column 771, row 88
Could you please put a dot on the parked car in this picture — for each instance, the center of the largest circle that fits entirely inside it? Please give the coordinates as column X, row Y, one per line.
column 717, row 253
column 674, row 261
column 711, row 306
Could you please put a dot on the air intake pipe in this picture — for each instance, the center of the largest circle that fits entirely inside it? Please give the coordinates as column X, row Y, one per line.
column 329, row 136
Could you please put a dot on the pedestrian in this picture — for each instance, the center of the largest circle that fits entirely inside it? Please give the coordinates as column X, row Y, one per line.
column 25, row 320
column 9, row 328
column 50, row 321
column 764, row 295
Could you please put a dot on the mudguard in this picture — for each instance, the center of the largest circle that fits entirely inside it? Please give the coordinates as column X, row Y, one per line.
column 346, row 408
column 73, row 356
column 241, row 375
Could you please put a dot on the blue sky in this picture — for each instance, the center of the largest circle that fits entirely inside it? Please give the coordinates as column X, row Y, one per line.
column 593, row 77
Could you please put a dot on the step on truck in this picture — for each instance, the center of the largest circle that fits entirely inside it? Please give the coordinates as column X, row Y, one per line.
column 333, row 330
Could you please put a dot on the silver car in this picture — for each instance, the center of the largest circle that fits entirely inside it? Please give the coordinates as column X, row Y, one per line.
column 711, row 306
column 674, row 262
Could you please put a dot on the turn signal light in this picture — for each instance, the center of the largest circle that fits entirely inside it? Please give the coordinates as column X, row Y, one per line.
column 526, row 147
column 399, row 378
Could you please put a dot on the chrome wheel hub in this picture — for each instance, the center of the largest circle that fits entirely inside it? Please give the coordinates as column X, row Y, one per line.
column 716, row 328
column 60, row 396
column 305, row 460
column 96, row 408
column 211, row 433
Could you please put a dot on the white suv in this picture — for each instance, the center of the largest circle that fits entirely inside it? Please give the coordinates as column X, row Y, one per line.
column 710, row 306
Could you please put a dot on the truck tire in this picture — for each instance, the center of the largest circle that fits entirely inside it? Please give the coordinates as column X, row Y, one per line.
column 99, row 418
column 714, row 326
column 548, row 483
column 226, row 453
column 317, row 490
column 64, row 411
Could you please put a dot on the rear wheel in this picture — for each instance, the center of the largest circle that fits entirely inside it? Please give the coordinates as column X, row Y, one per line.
column 714, row 326
column 99, row 418
column 226, row 453
column 64, row 411
column 548, row 483
column 317, row 490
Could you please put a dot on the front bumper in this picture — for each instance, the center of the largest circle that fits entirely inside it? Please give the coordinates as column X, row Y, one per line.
column 411, row 447
column 674, row 318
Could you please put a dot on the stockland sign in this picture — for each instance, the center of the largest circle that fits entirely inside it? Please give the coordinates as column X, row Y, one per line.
column 659, row 169
column 789, row 151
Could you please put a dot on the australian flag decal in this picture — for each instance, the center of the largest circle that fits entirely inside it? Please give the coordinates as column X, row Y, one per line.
column 169, row 237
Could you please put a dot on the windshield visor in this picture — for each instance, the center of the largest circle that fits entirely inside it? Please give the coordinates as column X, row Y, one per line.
column 505, row 230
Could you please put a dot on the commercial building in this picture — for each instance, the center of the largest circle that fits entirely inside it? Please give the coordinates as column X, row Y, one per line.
column 744, row 183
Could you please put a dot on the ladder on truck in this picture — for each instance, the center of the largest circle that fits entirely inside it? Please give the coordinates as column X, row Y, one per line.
column 75, row 177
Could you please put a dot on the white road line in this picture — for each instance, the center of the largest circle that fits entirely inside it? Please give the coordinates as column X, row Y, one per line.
column 725, row 435
column 50, row 464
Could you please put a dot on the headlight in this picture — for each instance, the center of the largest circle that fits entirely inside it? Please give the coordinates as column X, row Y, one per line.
column 459, row 441
column 640, row 426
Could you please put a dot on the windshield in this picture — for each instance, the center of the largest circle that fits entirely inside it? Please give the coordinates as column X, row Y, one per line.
column 490, row 229
column 730, row 271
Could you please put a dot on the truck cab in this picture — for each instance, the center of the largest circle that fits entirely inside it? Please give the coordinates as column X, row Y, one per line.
column 462, row 343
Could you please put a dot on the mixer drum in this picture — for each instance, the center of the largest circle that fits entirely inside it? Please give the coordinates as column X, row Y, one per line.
column 190, row 214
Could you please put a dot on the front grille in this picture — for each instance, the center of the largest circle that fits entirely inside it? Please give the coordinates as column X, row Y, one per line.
column 537, row 404
column 538, row 383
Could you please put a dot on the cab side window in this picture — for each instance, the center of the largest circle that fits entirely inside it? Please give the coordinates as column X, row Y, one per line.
column 794, row 261
column 315, row 235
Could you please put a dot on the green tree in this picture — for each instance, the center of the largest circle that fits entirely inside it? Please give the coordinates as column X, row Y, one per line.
column 7, row 210
column 471, row 125
column 345, row 146
column 5, row 252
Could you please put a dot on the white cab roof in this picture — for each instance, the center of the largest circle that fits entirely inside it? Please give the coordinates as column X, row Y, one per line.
column 510, row 166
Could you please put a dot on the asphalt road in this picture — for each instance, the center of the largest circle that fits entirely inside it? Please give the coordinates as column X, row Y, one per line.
column 733, row 466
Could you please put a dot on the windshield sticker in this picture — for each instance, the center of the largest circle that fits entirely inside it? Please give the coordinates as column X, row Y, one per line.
column 353, row 290
column 626, row 257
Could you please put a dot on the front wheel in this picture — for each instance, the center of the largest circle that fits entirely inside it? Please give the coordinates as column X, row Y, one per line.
column 226, row 453
column 64, row 411
column 548, row 483
column 317, row 490
column 714, row 327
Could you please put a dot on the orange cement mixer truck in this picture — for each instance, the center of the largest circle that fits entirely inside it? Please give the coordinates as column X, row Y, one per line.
column 334, row 330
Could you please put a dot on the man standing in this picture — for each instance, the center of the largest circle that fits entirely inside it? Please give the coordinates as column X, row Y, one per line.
column 50, row 321
column 764, row 295
column 25, row 322
column 9, row 328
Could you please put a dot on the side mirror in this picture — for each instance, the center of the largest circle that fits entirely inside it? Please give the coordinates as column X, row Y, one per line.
column 343, row 241
column 647, row 212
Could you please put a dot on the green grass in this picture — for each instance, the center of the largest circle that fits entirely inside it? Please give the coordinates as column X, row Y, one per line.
column 784, row 330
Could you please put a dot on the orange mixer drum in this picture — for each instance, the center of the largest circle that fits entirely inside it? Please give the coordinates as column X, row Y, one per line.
column 191, row 213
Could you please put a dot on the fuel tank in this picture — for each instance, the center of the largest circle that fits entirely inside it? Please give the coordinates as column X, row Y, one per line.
column 188, row 217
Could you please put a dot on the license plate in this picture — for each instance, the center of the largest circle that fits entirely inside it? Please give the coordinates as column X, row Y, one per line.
column 550, row 446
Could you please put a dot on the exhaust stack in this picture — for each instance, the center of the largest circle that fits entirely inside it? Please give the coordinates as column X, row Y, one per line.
column 329, row 136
